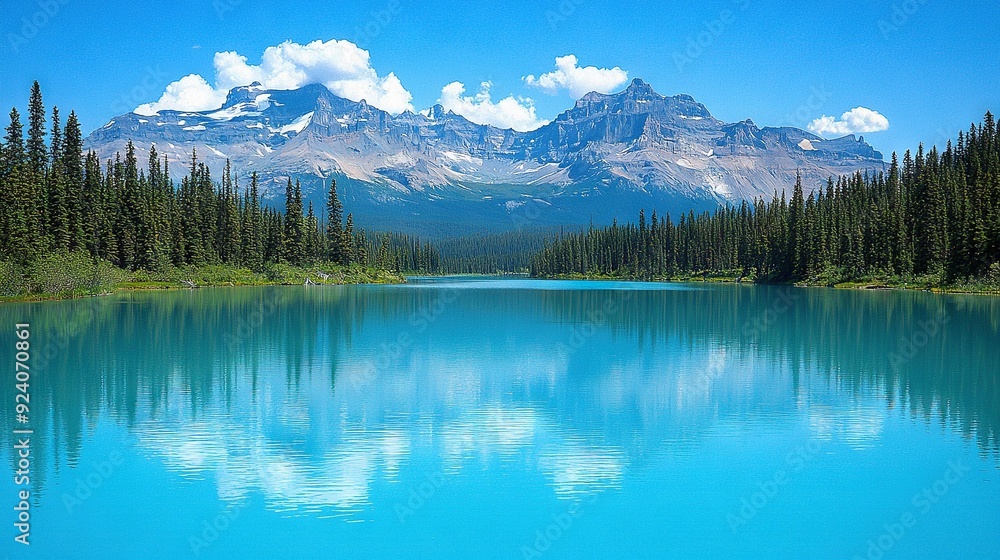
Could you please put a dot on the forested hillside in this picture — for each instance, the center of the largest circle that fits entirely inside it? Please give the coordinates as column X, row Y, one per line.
column 59, row 206
column 933, row 219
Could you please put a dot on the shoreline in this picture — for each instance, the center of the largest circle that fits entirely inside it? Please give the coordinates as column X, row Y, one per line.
column 861, row 285
column 353, row 277
column 374, row 277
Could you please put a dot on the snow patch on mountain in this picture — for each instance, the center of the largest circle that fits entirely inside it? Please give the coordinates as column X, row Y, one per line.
column 609, row 153
column 298, row 125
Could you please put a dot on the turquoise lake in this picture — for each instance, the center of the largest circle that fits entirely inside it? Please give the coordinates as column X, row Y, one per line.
column 481, row 418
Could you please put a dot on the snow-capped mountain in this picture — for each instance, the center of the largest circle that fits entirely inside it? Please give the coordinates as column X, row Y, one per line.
column 607, row 157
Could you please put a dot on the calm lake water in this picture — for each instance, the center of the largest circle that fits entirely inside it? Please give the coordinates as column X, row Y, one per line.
column 464, row 418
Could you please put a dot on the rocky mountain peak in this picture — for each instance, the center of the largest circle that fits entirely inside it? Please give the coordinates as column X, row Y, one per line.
column 243, row 94
column 437, row 112
column 641, row 90
column 609, row 155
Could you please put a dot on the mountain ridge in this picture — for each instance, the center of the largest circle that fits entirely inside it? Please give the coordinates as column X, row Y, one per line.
column 603, row 158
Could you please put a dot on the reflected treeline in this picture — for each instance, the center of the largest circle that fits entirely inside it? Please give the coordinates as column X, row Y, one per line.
column 937, row 353
column 110, row 354
column 124, row 355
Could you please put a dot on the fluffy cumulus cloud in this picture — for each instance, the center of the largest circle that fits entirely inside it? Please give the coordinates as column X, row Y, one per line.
column 341, row 66
column 509, row 112
column 190, row 93
column 858, row 119
column 578, row 81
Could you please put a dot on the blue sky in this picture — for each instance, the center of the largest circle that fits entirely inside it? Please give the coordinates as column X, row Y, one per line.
column 927, row 67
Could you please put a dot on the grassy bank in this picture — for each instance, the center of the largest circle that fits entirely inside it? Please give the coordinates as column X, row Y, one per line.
column 831, row 279
column 68, row 276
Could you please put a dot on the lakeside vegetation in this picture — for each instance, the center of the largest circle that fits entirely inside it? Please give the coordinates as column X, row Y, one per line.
column 71, row 225
column 925, row 284
column 930, row 222
column 74, row 275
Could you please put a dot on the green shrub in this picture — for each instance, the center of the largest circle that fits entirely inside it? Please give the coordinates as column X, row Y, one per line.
column 72, row 274
column 12, row 282
column 993, row 275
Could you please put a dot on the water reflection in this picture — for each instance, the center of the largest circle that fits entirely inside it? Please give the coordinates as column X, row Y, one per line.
column 311, row 397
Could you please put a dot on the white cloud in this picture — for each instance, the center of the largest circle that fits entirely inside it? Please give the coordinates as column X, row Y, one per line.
column 341, row 66
column 858, row 119
column 190, row 93
column 510, row 112
column 578, row 81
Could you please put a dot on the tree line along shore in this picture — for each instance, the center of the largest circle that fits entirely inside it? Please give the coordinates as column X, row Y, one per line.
column 931, row 221
column 73, row 225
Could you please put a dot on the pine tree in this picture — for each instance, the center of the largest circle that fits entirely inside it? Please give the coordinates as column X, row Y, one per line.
column 93, row 218
column 350, row 252
column 72, row 165
column 107, row 238
column 21, row 228
column 208, row 211
column 334, row 225
column 37, row 152
column 931, row 231
column 798, row 242
column 312, row 236
column 360, row 247
column 57, row 213
column 294, row 238
column 128, row 212
column 253, row 235
column 189, row 215
column 229, row 227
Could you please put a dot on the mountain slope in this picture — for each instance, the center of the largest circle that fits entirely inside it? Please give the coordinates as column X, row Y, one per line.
column 606, row 157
